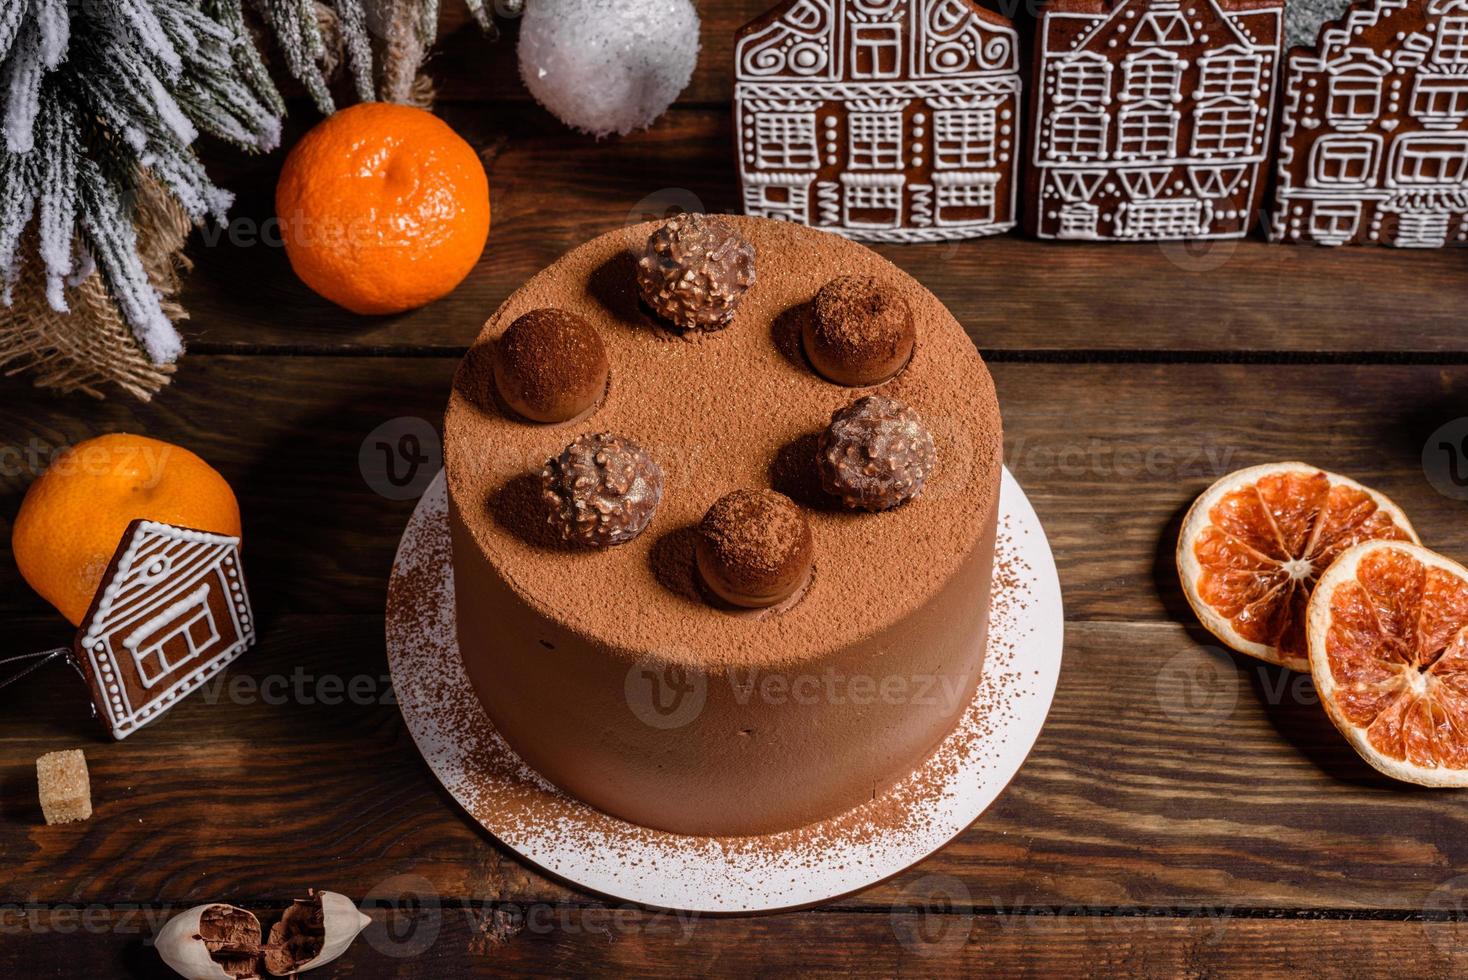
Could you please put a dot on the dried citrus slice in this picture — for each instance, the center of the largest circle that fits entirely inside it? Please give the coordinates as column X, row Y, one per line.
column 1388, row 636
column 1254, row 543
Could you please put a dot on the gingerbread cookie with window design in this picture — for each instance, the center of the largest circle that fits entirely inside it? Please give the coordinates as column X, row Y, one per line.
column 1374, row 129
column 882, row 120
column 1151, row 118
column 171, row 612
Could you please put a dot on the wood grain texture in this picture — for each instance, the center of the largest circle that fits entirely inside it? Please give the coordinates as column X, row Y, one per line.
column 1171, row 778
column 1185, row 812
column 552, row 189
column 598, row 941
column 1110, row 454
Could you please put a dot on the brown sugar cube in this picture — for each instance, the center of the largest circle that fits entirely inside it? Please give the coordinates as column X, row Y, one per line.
column 66, row 792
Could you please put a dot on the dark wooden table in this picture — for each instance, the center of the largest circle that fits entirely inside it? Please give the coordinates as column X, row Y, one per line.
column 1185, row 811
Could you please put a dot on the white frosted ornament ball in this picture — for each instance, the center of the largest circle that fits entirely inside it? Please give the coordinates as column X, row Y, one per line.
column 608, row 66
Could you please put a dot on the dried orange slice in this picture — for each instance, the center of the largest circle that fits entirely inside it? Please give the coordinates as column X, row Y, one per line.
column 1254, row 543
column 1388, row 636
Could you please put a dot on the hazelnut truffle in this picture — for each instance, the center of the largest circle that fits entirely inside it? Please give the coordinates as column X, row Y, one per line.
column 875, row 454
column 754, row 548
column 695, row 271
column 550, row 366
column 861, row 332
column 601, row 490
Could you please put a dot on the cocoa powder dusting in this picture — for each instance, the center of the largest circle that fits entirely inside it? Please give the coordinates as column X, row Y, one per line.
column 717, row 416
column 760, row 531
column 550, row 364
column 520, row 807
column 860, row 318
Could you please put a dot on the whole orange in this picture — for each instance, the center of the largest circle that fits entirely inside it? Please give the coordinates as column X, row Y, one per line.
column 75, row 514
column 382, row 208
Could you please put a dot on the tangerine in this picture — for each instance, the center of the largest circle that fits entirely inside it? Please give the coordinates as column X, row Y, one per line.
column 382, row 208
column 75, row 514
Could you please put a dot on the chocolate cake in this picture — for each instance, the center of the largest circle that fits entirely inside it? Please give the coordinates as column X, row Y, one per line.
column 692, row 605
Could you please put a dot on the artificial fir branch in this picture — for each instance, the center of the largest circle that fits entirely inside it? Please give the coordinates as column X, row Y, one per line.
column 92, row 94
column 101, row 96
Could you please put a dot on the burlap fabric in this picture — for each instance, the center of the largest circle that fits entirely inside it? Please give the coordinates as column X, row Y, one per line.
column 91, row 348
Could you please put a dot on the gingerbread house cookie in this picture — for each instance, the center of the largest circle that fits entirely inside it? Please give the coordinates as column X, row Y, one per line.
column 1373, row 145
column 172, row 611
column 1151, row 117
column 883, row 120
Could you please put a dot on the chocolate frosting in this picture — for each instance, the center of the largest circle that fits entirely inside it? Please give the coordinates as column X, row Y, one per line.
column 560, row 644
column 742, row 409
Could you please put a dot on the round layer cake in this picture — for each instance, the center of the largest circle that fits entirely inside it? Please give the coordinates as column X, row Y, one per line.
column 613, row 671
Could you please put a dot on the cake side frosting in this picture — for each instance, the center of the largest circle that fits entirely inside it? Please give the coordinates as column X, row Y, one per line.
column 755, row 721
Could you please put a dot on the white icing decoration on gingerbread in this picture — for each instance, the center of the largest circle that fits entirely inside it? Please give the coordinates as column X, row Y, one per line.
column 1368, row 161
column 167, row 621
column 1151, row 121
column 878, row 119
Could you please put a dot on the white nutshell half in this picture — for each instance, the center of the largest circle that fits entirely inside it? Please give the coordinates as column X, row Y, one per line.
column 182, row 948
column 343, row 921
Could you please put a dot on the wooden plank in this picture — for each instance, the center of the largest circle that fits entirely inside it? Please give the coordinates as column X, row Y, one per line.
column 1110, row 454
column 1168, row 779
column 287, row 434
column 547, row 940
column 552, row 189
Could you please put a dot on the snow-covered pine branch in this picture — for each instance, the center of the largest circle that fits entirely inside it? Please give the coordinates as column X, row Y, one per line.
column 91, row 96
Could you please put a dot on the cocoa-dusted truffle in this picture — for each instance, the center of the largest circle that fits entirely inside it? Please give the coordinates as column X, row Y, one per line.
column 754, row 548
column 861, row 332
column 602, row 490
column 875, row 454
column 550, row 365
column 695, row 271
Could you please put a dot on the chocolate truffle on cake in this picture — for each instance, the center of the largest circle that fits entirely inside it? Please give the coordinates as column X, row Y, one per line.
column 602, row 490
column 875, row 454
column 861, row 332
column 754, row 548
column 550, row 365
column 694, row 271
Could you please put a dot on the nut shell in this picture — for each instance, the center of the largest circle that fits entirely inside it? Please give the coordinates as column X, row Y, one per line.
column 222, row 942
column 550, row 365
column 602, row 490
column 875, row 454
column 860, row 333
column 183, row 942
column 325, row 922
column 694, row 271
column 755, row 548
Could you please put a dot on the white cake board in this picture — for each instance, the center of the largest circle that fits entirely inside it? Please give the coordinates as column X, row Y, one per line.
column 807, row 867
